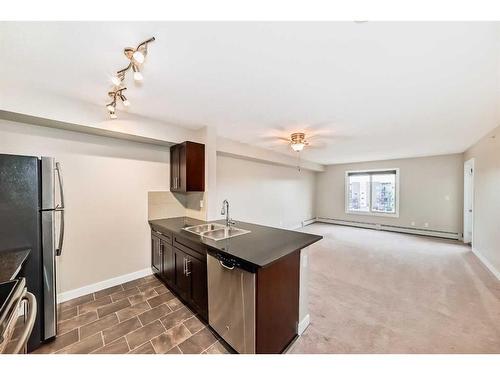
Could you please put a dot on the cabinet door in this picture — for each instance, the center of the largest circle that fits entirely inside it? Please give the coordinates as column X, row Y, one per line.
column 155, row 254
column 183, row 173
column 197, row 273
column 168, row 266
column 174, row 168
column 181, row 279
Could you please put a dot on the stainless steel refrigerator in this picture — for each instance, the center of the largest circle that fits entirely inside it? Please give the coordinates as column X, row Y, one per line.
column 32, row 216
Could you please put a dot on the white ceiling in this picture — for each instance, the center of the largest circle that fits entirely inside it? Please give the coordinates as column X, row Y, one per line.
column 375, row 90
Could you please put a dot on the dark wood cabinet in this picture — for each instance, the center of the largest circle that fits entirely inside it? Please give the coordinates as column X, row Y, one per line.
column 175, row 168
column 197, row 270
column 167, row 262
column 277, row 304
column 182, row 281
column 155, row 254
column 187, row 167
column 182, row 266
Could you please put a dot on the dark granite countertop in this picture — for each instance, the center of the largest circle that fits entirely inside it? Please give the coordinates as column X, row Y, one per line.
column 261, row 247
column 11, row 262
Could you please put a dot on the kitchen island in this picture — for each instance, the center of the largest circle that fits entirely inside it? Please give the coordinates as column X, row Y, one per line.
column 246, row 287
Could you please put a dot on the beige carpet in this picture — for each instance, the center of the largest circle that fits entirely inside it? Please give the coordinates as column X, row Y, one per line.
column 381, row 292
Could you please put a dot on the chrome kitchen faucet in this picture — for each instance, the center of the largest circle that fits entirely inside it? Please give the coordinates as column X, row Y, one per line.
column 225, row 211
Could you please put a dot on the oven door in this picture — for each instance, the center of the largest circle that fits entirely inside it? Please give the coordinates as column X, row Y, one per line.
column 17, row 317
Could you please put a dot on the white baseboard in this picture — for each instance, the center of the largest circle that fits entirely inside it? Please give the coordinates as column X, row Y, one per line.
column 303, row 324
column 70, row 294
column 487, row 263
column 391, row 228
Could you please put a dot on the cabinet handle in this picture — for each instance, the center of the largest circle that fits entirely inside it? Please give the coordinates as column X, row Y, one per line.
column 188, row 272
column 184, row 259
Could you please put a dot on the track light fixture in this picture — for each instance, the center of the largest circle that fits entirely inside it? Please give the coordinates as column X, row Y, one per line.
column 111, row 107
column 137, row 56
column 137, row 73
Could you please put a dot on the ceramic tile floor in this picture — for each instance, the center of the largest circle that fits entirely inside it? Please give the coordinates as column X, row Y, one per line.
column 141, row 316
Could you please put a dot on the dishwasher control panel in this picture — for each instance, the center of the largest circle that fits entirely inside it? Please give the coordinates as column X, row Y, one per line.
column 230, row 262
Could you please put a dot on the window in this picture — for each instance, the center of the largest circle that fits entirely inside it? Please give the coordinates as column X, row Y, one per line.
column 373, row 192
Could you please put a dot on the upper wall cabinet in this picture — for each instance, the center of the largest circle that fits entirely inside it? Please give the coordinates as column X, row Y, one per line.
column 187, row 167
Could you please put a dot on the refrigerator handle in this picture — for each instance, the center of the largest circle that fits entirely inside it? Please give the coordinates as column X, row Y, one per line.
column 60, row 208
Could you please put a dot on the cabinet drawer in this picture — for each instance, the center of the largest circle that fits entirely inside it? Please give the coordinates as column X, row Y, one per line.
column 192, row 248
column 163, row 235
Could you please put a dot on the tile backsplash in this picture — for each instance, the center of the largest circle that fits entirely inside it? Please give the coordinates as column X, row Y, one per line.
column 165, row 204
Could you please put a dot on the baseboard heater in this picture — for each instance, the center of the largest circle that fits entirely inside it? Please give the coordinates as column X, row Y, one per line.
column 309, row 221
column 391, row 228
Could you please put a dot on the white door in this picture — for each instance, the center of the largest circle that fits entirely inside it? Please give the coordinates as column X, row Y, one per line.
column 468, row 200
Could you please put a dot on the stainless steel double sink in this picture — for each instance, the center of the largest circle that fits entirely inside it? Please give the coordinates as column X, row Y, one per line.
column 216, row 231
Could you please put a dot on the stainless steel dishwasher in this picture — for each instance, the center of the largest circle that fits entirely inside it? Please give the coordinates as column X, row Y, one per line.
column 231, row 302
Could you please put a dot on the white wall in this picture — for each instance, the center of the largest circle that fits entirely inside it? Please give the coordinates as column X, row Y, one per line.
column 486, row 238
column 265, row 194
column 106, row 191
column 431, row 191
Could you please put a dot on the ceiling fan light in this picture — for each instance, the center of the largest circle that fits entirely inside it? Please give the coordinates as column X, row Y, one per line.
column 126, row 103
column 297, row 146
column 110, row 107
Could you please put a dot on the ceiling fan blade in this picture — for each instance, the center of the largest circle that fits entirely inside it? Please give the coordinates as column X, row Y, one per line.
column 316, row 146
column 321, row 136
column 328, row 138
column 272, row 137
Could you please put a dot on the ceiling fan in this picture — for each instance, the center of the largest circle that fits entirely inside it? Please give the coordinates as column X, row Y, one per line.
column 312, row 136
column 298, row 141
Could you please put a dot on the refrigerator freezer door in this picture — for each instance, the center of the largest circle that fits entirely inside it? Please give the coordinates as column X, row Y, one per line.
column 48, row 166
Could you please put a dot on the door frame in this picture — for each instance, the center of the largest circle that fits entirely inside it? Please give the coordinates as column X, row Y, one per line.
column 469, row 172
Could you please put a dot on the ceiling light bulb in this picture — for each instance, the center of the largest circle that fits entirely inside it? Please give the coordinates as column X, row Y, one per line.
column 138, row 56
column 297, row 146
column 137, row 73
column 126, row 103
column 110, row 108
column 113, row 115
column 138, row 76
column 116, row 80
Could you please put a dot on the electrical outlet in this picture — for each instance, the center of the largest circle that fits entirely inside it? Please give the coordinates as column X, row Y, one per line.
column 413, row 224
column 201, row 203
column 426, row 225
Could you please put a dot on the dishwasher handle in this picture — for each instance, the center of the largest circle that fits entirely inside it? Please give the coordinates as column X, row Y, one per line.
column 231, row 267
